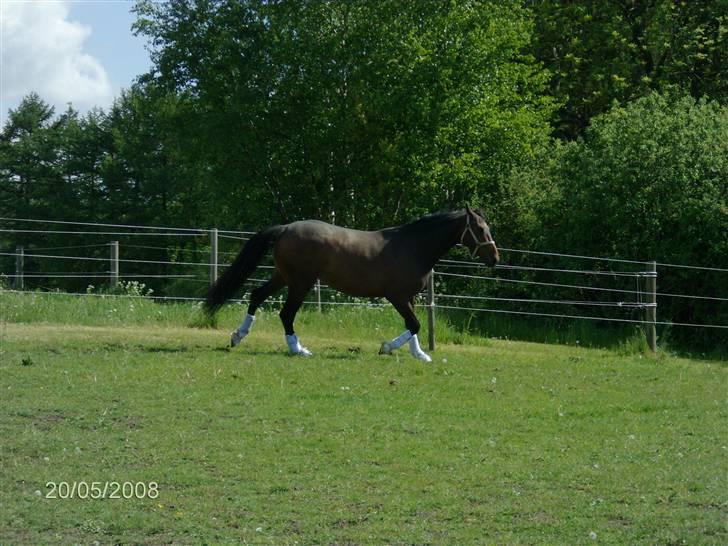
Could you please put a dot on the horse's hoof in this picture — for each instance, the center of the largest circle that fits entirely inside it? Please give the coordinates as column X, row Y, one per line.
column 235, row 339
column 419, row 354
column 424, row 357
column 385, row 349
column 302, row 352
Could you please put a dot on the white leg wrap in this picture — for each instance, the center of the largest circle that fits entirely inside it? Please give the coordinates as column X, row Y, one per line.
column 396, row 343
column 237, row 336
column 295, row 346
column 416, row 351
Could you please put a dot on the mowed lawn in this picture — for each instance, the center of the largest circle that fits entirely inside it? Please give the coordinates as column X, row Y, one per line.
column 497, row 443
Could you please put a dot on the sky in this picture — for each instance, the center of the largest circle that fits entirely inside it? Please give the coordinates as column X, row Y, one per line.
column 68, row 51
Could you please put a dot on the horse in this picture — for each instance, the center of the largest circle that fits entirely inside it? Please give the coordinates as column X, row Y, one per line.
column 393, row 263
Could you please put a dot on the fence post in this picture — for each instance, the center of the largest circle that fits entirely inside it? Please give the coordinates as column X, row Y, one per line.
column 19, row 266
column 431, row 311
column 318, row 294
column 651, row 309
column 213, row 255
column 114, row 264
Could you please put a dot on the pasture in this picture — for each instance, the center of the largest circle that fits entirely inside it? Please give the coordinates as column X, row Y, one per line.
column 495, row 442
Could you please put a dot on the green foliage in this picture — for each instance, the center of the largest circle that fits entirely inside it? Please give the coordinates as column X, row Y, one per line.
column 29, row 172
column 649, row 182
column 650, row 178
column 153, row 171
column 599, row 51
column 367, row 113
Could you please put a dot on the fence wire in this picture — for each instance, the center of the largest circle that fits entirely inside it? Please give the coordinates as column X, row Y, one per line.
column 449, row 264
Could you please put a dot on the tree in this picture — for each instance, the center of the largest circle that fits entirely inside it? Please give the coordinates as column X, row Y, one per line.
column 28, row 160
column 648, row 181
column 359, row 112
column 599, row 51
column 149, row 177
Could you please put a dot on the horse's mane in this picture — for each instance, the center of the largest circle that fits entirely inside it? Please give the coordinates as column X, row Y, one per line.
column 427, row 223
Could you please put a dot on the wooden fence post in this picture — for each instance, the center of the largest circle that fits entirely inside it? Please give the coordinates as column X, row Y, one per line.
column 19, row 266
column 114, row 264
column 651, row 309
column 431, row 311
column 213, row 256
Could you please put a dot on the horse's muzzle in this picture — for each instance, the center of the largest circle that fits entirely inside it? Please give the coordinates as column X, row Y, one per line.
column 491, row 260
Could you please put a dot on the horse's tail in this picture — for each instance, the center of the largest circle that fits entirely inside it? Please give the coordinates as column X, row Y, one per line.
column 243, row 266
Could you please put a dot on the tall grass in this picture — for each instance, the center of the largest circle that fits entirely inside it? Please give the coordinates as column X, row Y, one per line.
column 575, row 332
column 380, row 322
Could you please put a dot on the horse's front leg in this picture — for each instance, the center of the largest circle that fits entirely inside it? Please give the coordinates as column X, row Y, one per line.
column 406, row 308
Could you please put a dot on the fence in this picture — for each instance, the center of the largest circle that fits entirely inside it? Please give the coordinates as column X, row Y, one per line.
column 641, row 299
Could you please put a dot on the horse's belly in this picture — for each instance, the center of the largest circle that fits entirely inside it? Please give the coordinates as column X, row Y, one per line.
column 354, row 281
column 356, row 275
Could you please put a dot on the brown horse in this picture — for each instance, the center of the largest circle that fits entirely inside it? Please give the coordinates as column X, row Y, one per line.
column 393, row 263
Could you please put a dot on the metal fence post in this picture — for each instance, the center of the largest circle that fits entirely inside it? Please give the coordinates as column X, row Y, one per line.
column 651, row 309
column 431, row 311
column 213, row 255
column 19, row 266
column 114, row 264
column 318, row 294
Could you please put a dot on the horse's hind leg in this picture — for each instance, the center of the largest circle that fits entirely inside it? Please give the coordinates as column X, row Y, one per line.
column 257, row 297
column 406, row 308
column 296, row 295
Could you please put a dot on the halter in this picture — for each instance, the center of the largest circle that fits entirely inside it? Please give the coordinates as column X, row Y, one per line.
column 478, row 244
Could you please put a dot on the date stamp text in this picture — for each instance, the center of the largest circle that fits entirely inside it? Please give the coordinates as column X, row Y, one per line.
column 101, row 490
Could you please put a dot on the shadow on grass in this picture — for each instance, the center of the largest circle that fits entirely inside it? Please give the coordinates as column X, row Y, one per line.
column 161, row 349
column 327, row 353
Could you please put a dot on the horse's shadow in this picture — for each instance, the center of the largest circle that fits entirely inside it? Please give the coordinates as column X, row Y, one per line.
column 327, row 353
column 163, row 349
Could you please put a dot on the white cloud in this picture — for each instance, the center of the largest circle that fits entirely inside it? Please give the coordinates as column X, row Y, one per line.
column 42, row 51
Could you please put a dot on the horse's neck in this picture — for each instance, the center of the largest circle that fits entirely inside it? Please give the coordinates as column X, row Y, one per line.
column 450, row 236
column 431, row 246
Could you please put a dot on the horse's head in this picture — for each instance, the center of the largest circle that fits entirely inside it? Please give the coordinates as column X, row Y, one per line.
column 477, row 238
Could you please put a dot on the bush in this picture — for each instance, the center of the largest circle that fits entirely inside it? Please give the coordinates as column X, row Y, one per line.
column 648, row 182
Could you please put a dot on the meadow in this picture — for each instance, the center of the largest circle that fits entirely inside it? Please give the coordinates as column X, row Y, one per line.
column 495, row 442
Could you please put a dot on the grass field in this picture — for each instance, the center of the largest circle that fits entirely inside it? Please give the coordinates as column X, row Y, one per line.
column 495, row 442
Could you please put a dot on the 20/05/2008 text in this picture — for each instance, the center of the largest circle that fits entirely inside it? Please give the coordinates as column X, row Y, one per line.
column 102, row 490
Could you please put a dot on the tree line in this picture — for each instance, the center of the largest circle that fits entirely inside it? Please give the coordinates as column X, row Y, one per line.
column 596, row 127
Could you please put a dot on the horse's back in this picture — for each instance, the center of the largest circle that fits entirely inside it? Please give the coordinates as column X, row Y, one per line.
column 316, row 232
column 350, row 260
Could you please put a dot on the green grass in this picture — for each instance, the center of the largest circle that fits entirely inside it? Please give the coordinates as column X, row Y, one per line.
column 498, row 442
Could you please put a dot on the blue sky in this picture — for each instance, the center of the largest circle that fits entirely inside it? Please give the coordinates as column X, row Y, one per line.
column 111, row 40
column 78, row 51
